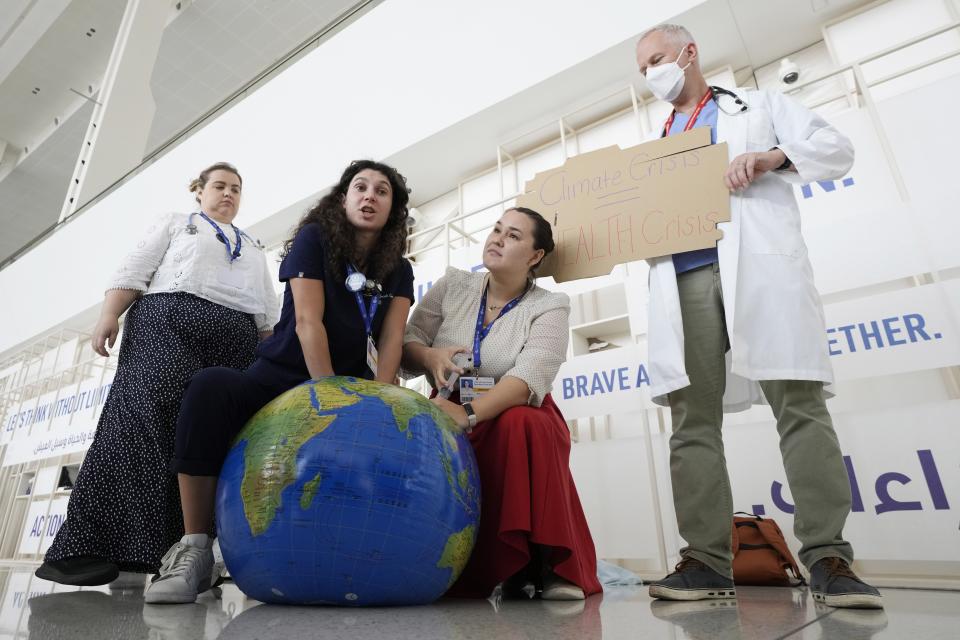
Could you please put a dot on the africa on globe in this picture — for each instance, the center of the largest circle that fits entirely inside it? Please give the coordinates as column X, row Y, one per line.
column 349, row 492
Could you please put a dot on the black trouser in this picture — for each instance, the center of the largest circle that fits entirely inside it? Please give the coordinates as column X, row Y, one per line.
column 216, row 405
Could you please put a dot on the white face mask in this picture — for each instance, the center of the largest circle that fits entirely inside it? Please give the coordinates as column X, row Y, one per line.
column 666, row 80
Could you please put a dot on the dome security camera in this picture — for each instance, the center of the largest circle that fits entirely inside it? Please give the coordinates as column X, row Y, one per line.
column 789, row 71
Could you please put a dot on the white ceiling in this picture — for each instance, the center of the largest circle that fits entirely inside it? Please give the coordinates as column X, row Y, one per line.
column 208, row 52
column 215, row 46
column 219, row 45
column 717, row 26
column 32, row 195
column 62, row 57
column 774, row 29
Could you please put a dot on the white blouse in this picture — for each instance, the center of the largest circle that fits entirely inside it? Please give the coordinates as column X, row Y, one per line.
column 529, row 342
column 169, row 259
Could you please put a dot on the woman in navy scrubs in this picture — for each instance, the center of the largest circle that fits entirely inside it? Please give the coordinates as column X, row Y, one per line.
column 348, row 293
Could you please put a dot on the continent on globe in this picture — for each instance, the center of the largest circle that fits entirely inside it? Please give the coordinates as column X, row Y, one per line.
column 457, row 551
column 347, row 491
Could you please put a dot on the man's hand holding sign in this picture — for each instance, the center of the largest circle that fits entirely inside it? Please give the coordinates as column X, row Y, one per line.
column 747, row 167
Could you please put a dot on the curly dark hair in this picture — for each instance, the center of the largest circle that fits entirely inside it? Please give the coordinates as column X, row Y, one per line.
column 341, row 235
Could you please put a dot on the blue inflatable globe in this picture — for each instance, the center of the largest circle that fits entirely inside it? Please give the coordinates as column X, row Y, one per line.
column 348, row 492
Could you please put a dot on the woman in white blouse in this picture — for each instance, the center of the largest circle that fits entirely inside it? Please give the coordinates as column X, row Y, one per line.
column 533, row 536
column 199, row 294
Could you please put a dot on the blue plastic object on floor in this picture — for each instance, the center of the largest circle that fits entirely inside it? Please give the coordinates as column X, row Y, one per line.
column 612, row 575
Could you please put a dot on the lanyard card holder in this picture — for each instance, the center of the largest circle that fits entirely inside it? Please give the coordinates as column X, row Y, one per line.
column 373, row 356
column 357, row 283
column 472, row 387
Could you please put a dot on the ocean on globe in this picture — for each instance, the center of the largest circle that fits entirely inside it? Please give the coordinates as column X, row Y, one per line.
column 348, row 492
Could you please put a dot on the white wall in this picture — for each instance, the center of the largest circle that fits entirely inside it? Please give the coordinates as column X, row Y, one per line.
column 370, row 91
column 877, row 257
column 872, row 251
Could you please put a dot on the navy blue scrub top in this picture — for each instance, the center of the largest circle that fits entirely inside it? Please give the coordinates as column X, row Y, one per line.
column 346, row 336
column 690, row 260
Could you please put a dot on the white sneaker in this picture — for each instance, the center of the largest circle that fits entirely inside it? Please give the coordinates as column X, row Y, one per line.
column 185, row 571
column 556, row 588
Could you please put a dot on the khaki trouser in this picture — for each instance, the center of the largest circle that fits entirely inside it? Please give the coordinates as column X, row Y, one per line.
column 811, row 454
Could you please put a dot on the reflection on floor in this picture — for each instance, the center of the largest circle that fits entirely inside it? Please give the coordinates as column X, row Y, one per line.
column 33, row 608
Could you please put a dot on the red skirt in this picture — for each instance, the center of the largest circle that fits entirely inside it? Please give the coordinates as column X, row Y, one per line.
column 528, row 497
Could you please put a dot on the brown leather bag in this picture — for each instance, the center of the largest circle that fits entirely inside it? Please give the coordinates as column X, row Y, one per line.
column 760, row 554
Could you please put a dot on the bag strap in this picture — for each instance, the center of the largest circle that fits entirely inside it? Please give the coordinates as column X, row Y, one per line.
column 775, row 540
column 774, row 536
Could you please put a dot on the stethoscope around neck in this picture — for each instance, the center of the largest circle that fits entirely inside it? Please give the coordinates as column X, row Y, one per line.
column 358, row 283
column 720, row 92
column 192, row 230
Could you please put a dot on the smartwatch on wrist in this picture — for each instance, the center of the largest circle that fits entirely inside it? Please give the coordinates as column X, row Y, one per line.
column 471, row 416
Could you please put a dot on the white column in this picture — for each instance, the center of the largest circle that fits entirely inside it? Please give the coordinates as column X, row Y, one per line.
column 116, row 138
column 8, row 158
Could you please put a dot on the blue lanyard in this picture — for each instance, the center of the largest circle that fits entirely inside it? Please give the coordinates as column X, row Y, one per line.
column 482, row 331
column 231, row 255
column 366, row 314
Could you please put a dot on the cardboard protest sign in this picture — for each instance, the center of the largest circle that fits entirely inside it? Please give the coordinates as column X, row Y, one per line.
column 615, row 205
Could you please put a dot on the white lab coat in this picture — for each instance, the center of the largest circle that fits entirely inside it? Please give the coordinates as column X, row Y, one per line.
column 774, row 316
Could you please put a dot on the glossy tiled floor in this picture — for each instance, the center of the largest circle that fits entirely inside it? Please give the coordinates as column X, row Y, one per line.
column 33, row 608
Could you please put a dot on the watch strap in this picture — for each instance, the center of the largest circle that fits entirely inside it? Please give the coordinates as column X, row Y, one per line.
column 787, row 162
column 471, row 416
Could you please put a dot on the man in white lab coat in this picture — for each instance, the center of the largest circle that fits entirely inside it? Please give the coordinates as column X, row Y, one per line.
column 754, row 296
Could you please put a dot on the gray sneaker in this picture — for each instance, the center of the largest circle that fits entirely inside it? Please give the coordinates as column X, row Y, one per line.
column 185, row 571
column 836, row 585
column 693, row 580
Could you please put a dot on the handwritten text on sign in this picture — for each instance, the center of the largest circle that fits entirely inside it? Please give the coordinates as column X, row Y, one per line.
column 614, row 205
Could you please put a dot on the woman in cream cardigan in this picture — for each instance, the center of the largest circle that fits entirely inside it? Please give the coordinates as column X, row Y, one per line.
column 532, row 528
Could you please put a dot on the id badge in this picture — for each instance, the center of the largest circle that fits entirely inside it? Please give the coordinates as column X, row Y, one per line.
column 472, row 387
column 372, row 355
column 226, row 275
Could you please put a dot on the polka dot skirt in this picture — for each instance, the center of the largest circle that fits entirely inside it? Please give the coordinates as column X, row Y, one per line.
column 125, row 505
